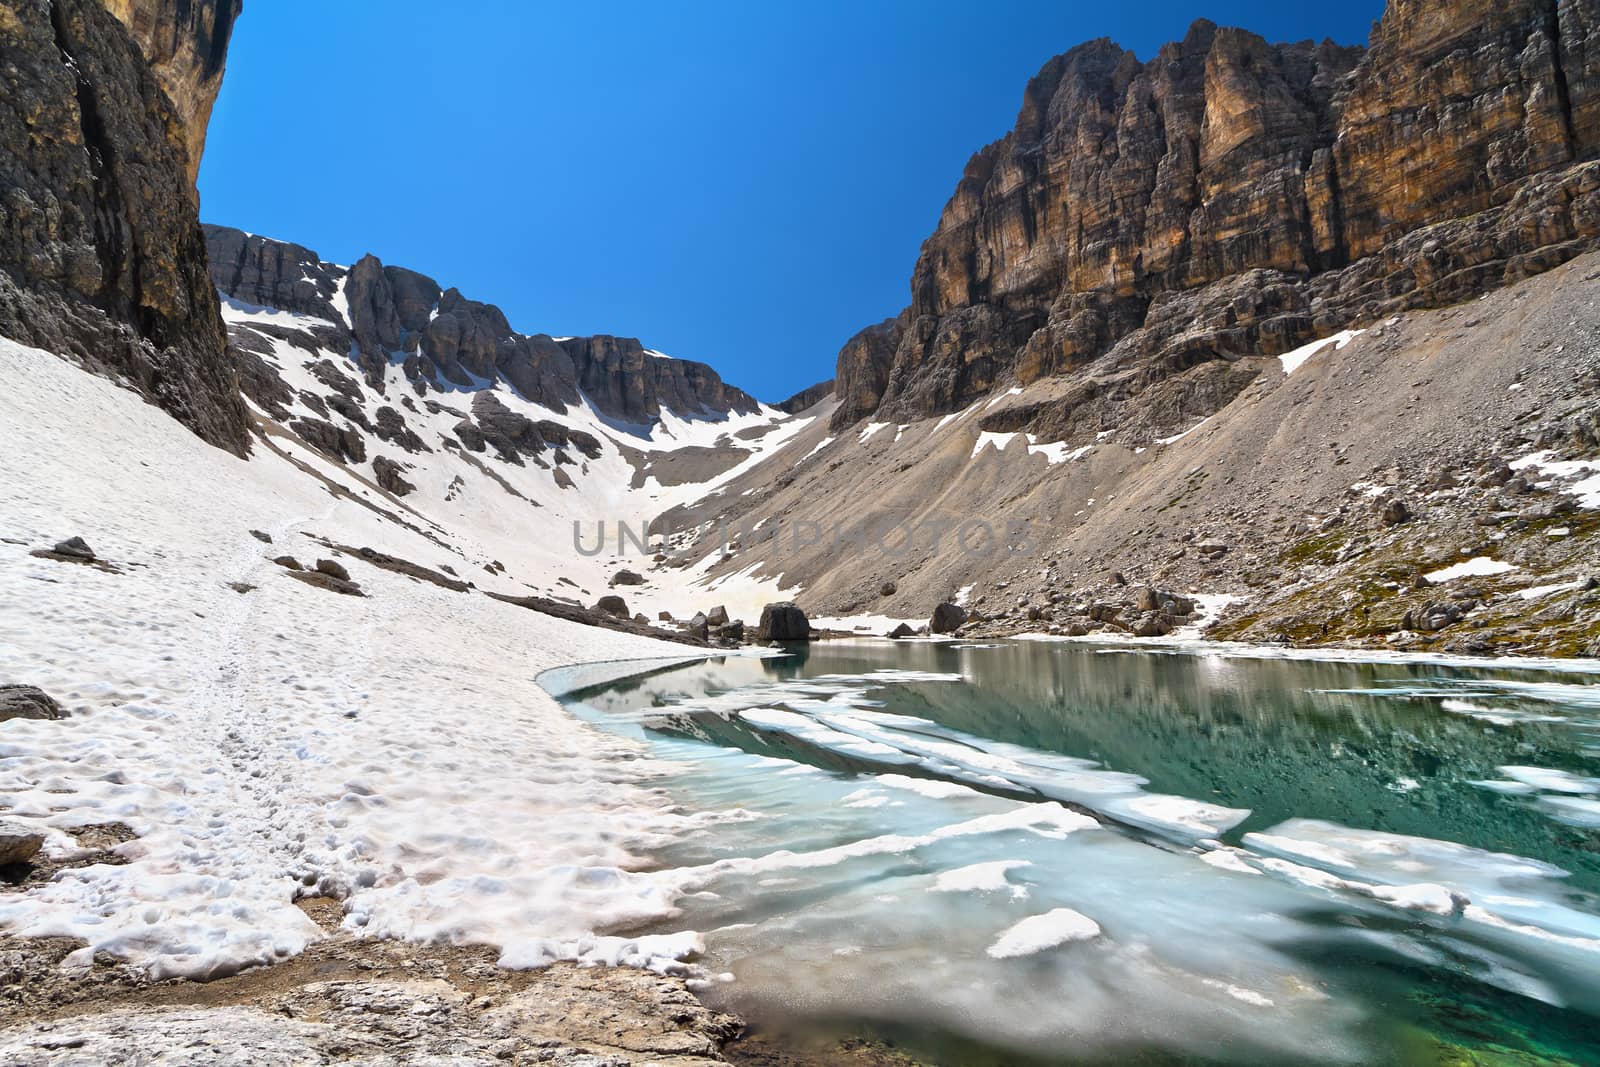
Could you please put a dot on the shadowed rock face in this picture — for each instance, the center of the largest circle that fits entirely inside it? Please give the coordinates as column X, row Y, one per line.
column 806, row 398
column 101, row 255
column 445, row 341
column 1232, row 197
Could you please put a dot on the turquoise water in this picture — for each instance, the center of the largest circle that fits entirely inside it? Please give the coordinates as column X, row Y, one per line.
column 1053, row 853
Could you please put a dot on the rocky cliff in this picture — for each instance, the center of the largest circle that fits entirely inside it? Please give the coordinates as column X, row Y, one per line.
column 807, row 398
column 186, row 45
column 384, row 315
column 1145, row 224
column 101, row 255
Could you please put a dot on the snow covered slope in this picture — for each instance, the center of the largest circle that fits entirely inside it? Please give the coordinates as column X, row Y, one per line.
column 268, row 739
column 441, row 431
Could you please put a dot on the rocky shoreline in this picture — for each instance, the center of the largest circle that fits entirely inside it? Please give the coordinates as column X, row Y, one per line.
column 356, row 1001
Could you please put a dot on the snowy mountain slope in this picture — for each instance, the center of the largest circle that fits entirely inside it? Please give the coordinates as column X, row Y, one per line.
column 515, row 482
column 265, row 738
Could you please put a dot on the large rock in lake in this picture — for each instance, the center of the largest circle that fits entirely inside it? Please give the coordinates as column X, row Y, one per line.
column 947, row 617
column 783, row 622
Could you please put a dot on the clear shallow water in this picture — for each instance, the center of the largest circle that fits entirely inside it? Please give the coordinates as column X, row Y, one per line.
column 1032, row 853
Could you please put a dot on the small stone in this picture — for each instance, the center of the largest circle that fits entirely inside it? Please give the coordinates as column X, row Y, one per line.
column 288, row 562
column 888, row 589
column 27, row 702
column 76, row 547
column 262, row 536
column 627, row 577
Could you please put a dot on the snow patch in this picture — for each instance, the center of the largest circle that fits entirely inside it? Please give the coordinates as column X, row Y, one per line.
column 1292, row 360
column 1476, row 567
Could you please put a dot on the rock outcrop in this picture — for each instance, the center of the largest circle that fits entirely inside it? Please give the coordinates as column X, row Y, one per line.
column 1147, row 224
column 863, row 371
column 807, row 398
column 101, row 255
column 445, row 341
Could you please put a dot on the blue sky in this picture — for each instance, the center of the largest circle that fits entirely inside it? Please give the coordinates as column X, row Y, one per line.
column 741, row 183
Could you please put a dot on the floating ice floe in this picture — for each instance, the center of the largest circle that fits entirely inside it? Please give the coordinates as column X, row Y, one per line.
column 1040, row 932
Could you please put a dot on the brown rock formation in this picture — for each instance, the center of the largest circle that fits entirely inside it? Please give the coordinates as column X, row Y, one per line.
column 808, row 397
column 186, row 44
column 101, row 255
column 1232, row 197
column 863, row 371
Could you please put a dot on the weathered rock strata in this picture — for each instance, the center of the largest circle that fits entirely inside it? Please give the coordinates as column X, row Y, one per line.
column 1231, row 198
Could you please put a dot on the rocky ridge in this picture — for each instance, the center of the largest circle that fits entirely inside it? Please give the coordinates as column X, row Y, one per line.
column 1146, row 225
column 446, row 342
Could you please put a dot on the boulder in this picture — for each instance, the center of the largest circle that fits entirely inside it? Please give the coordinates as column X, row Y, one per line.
column 783, row 621
column 903, row 630
column 1149, row 598
column 333, row 569
column 1394, row 512
column 612, row 605
column 1104, row 611
column 27, row 702
column 1151, row 624
column 627, row 577
column 19, row 842
column 697, row 626
column 888, row 589
column 389, row 478
column 330, row 582
column 729, row 633
column 1432, row 617
column 663, row 616
column 76, row 547
column 717, row 616
column 947, row 617
column 288, row 562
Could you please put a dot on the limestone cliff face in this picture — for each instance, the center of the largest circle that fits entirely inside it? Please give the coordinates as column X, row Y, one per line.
column 101, row 254
column 384, row 314
column 186, row 45
column 1231, row 197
